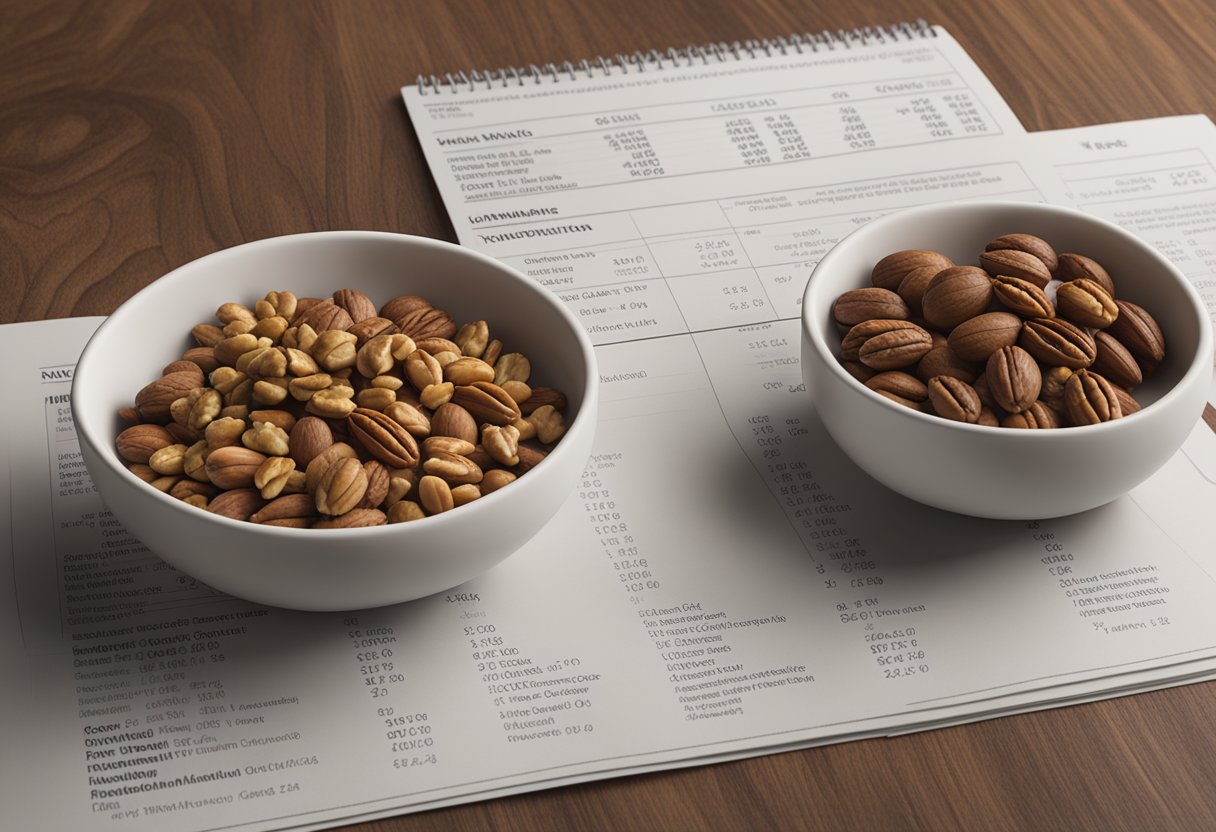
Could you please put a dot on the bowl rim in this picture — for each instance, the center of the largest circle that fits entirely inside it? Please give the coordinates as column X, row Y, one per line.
column 90, row 430
column 1200, row 362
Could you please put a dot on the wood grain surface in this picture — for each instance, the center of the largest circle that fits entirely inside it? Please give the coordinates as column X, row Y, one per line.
column 136, row 136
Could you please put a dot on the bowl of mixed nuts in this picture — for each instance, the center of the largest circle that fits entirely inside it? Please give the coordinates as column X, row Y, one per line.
column 337, row 420
column 1004, row 359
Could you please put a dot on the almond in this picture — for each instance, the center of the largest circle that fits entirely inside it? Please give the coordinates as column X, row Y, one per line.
column 892, row 269
column 1074, row 266
column 308, row 438
column 956, row 294
column 1028, row 243
column 237, row 504
column 868, row 303
column 453, row 420
column 138, row 442
column 358, row 305
column 356, row 518
column 233, row 466
column 154, row 400
column 486, row 402
column 981, row 336
column 1014, row 263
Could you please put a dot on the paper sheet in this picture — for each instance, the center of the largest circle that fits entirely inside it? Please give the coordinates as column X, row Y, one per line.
column 723, row 583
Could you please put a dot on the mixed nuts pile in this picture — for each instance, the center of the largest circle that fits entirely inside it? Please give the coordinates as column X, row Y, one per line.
column 1027, row 339
column 331, row 413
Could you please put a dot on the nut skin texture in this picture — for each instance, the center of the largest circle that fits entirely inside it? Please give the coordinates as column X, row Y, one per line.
column 1137, row 330
column 912, row 288
column 1022, row 297
column 549, row 424
column 887, row 351
column 342, row 486
column 977, row 338
column 861, row 334
column 316, row 469
column 404, row 511
column 1036, row 417
column 867, row 304
column 542, row 396
column 954, row 399
column 402, row 305
column 308, row 438
column 1030, row 244
column 468, row 370
column 897, row 382
column 1090, row 399
column 271, row 478
column 955, row 295
column 324, row 315
column 417, row 423
column 435, row 495
column 529, row 458
column 453, row 469
column 1115, row 362
column 287, row 507
column 138, row 442
column 1014, row 263
column 237, row 503
column 1058, row 343
column 496, row 479
column 356, row 518
column 448, row 445
column 892, row 269
column 369, row 328
column 1085, row 302
column 383, row 438
column 427, row 322
column 233, row 466
column 1053, row 385
column 898, row 399
column 473, row 338
column 1075, row 266
column 358, row 305
column 1127, row 402
column 486, row 402
column 512, row 366
column 942, row 361
column 1013, row 378
column 501, row 443
column 154, row 400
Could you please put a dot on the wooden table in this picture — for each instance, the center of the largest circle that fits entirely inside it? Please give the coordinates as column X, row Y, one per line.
column 135, row 136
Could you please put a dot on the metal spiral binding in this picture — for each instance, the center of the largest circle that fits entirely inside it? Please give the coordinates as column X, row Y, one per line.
column 640, row 62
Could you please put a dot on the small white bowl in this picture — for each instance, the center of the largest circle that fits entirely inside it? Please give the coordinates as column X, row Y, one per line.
column 1002, row 472
column 348, row 568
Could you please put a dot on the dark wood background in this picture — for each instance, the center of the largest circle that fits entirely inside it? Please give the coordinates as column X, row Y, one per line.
column 136, row 136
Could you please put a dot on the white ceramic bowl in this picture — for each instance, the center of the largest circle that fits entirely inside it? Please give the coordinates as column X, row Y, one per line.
column 1003, row 472
column 348, row 568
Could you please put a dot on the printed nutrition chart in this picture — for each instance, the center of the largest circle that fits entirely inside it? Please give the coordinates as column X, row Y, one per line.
column 685, row 199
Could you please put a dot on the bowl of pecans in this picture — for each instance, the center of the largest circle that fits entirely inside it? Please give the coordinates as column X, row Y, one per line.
column 337, row 420
column 1003, row 359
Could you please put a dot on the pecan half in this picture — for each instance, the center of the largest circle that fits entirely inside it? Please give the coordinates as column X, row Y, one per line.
column 487, row 402
column 383, row 438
